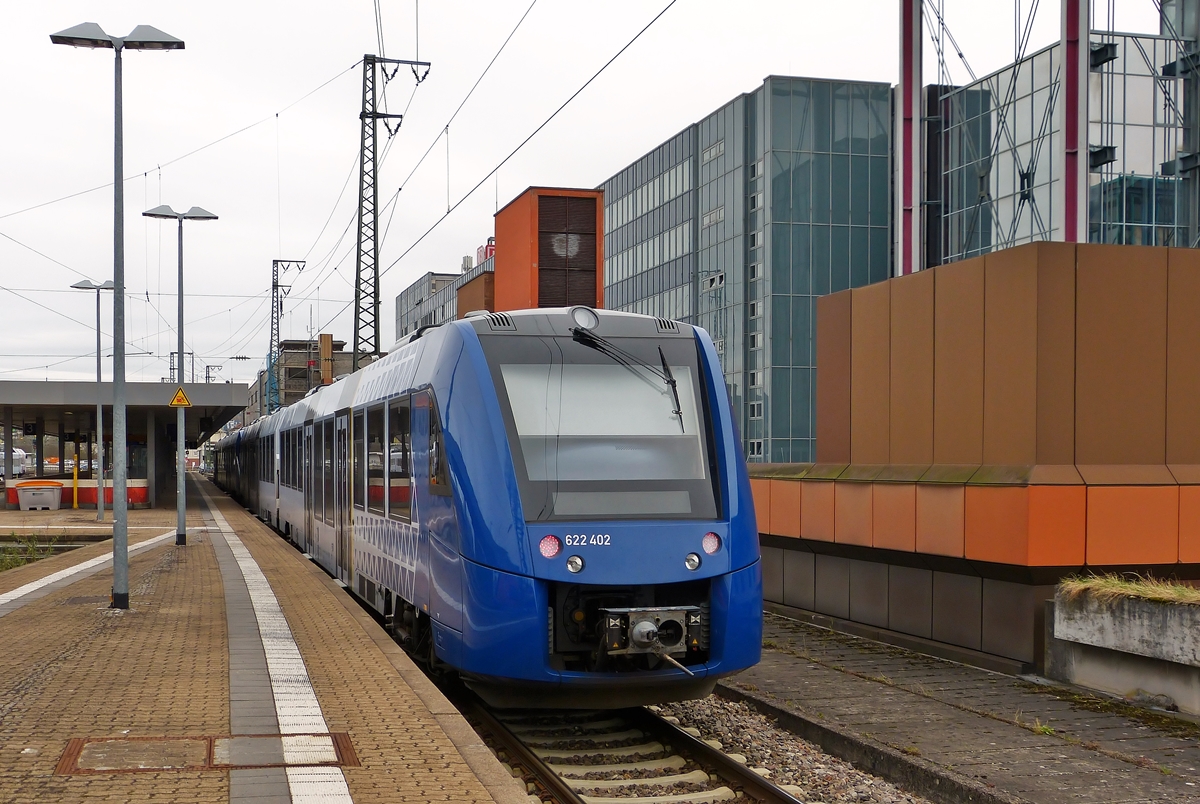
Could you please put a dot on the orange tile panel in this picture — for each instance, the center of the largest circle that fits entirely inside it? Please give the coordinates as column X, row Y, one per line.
column 817, row 514
column 1189, row 524
column 1057, row 525
column 894, row 516
column 997, row 524
column 940, row 523
column 1132, row 525
column 852, row 513
column 760, row 488
column 785, row 507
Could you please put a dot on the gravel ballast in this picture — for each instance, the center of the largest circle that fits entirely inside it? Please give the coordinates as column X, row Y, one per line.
column 792, row 761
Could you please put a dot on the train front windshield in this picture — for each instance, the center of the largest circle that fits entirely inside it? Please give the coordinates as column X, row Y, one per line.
column 598, row 436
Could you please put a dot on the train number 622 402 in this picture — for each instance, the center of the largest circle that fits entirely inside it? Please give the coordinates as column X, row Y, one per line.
column 583, row 539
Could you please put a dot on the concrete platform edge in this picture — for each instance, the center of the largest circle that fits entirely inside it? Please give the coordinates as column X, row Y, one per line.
column 912, row 774
column 501, row 786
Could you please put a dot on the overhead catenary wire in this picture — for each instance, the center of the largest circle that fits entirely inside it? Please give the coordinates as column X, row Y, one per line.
column 190, row 153
column 533, row 134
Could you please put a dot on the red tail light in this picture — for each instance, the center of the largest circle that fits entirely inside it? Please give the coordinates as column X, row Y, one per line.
column 550, row 546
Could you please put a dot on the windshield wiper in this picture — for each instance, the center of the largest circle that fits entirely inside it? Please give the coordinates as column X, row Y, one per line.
column 619, row 355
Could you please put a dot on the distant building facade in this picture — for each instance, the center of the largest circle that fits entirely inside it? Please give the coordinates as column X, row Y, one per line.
column 739, row 222
column 433, row 299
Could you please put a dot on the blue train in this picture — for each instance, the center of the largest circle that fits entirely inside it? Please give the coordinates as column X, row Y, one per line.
column 552, row 503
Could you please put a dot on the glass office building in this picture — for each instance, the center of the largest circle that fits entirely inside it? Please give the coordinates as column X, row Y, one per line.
column 740, row 221
column 1002, row 173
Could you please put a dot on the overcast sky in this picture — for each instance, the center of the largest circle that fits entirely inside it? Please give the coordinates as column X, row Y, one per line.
column 276, row 184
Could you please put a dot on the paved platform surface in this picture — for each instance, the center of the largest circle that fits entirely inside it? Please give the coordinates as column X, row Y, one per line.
column 240, row 673
column 1025, row 741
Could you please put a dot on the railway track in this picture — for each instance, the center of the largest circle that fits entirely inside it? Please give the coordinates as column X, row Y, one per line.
column 618, row 757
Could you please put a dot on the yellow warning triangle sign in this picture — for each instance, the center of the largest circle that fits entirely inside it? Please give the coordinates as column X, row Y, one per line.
column 180, row 399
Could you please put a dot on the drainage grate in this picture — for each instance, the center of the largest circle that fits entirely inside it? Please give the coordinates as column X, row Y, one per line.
column 157, row 754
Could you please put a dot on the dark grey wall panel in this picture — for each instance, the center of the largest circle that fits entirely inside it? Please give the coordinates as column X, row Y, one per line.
column 957, row 609
column 1012, row 616
column 910, row 600
column 832, row 586
column 772, row 572
column 799, row 579
column 869, row 593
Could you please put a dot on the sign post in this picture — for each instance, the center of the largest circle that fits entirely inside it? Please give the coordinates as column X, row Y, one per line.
column 180, row 402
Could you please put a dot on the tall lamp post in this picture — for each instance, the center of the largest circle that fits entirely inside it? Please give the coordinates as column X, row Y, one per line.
column 87, row 284
column 193, row 214
column 143, row 37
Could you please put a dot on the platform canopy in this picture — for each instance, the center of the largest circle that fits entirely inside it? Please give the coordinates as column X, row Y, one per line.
column 73, row 406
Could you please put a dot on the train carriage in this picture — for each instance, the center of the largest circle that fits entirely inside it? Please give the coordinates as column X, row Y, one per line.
column 552, row 503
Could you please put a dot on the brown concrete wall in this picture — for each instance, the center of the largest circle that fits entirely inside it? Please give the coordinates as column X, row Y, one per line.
column 1183, row 356
column 870, row 408
column 478, row 294
column 1010, row 357
column 1121, row 355
column 911, row 380
column 958, row 363
column 833, row 385
column 1056, row 353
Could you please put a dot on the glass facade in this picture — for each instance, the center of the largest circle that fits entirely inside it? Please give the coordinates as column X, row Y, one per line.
column 433, row 299
column 740, row 221
column 1001, row 141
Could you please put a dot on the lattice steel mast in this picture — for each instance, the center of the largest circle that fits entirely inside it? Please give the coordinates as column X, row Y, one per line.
column 366, row 263
column 278, row 292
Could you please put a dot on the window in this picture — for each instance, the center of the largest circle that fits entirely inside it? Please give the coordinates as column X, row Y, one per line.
column 374, row 448
column 318, row 468
column 755, row 340
column 439, row 473
column 327, row 470
column 755, row 309
column 714, row 281
column 754, row 270
column 399, row 464
column 756, row 449
column 360, row 461
column 755, row 379
column 715, row 216
column 756, row 410
column 755, row 201
column 756, row 239
column 713, row 151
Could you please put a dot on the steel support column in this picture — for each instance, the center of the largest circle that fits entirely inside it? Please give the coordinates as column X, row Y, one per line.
column 1076, row 64
column 908, row 137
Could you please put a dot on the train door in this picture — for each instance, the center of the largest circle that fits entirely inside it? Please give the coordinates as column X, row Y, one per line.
column 438, row 540
column 309, row 489
column 341, row 494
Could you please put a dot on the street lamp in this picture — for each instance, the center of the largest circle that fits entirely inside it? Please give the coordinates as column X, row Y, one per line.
column 87, row 284
column 193, row 214
column 143, row 37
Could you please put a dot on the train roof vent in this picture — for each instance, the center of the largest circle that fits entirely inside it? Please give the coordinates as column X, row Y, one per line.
column 500, row 321
column 666, row 325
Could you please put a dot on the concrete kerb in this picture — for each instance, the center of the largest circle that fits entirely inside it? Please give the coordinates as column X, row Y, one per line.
column 910, row 773
column 500, row 785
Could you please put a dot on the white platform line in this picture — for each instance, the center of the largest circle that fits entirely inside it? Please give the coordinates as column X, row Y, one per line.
column 296, row 705
column 34, row 586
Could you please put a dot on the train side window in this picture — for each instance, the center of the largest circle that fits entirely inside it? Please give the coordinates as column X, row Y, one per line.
column 360, row 461
column 375, row 469
column 439, row 475
column 399, row 462
column 327, row 470
column 293, row 462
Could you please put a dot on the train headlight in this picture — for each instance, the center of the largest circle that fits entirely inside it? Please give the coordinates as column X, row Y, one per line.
column 550, row 546
column 692, row 561
column 575, row 564
column 711, row 543
column 585, row 317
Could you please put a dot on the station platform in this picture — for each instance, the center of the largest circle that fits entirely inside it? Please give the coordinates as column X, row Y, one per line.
column 952, row 732
column 241, row 672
